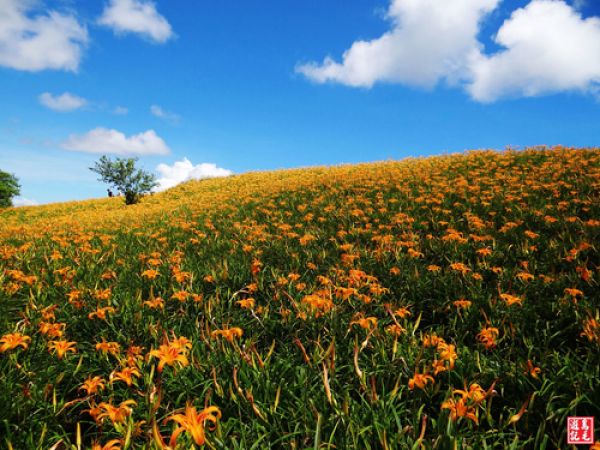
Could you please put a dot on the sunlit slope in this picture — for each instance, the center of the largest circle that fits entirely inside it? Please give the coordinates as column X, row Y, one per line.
column 443, row 302
column 204, row 196
column 209, row 195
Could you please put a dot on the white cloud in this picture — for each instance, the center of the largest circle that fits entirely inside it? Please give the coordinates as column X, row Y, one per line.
column 549, row 48
column 22, row 201
column 430, row 40
column 157, row 111
column 105, row 141
column 45, row 41
column 136, row 16
column 63, row 103
column 184, row 170
column 120, row 111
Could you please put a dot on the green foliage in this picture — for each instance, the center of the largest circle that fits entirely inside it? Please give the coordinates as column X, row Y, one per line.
column 9, row 188
column 123, row 176
column 189, row 261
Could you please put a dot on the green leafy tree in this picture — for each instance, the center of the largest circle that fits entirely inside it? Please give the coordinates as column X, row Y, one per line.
column 9, row 188
column 125, row 177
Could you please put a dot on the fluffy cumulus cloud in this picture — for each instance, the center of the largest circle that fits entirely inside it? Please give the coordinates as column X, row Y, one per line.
column 184, row 170
column 35, row 42
column 547, row 46
column 63, row 103
column 169, row 116
column 136, row 16
column 105, row 141
column 430, row 40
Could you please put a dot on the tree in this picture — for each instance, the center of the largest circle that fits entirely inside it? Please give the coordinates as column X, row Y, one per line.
column 9, row 188
column 125, row 177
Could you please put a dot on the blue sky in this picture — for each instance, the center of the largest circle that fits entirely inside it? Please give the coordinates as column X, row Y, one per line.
column 243, row 86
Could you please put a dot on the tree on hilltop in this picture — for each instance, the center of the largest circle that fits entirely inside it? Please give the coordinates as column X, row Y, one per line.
column 9, row 188
column 125, row 177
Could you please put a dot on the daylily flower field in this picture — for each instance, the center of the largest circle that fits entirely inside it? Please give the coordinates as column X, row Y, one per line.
column 449, row 302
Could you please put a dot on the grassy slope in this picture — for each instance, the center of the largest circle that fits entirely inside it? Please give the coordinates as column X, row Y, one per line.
column 306, row 372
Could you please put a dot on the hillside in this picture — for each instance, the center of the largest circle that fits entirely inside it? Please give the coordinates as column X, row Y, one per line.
column 442, row 302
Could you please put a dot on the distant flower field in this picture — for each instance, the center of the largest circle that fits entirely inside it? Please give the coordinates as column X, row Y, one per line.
column 448, row 302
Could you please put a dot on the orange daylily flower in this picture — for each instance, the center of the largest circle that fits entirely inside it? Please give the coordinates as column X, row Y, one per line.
column 487, row 336
column 465, row 406
column 180, row 296
column 155, row 303
column 247, row 303
column 462, row 303
column 48, row 312
column 403, row 312
column 438, row 367
column 113, row 444
column 318, row 303
column 591, row 330
column 474, row 394
column 101, row 313
column 134, row 353
column 460, row 267
column 14, row 340
column 420, row 380
column 192, row 422
column 116, row 414
column 255, row 267
column 460, row 409
column 127, row 375
column 75, row 298
column 533, row 370
column 109, row 275
column 525, row 276
column 447, row 352
column 182, row 343
column 345, row 293
column 171, row 353
column 395, row 329
column 92, row 385
column 324, row 281
column 367, row 322
column 228, row 333
column 108, row 347
column 181, row 277
column 102, row 294
column 154, row 261
column 62, row 347
column 150, row 274
column 432, row 340
column 573, row 292
column 94, row 411
column 486, row 251
column 531, row 234
column 511, row 299
column 52, row 330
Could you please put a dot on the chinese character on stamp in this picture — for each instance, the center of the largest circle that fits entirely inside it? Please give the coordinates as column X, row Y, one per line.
column 580, row 430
